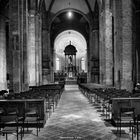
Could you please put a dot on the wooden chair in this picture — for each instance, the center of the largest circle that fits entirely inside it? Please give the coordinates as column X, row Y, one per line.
column 136, row 127
column 126, row 117
column 32, row 119
column 10, row 125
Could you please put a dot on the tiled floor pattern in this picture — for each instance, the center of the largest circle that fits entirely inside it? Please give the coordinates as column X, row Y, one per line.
column 75, row 119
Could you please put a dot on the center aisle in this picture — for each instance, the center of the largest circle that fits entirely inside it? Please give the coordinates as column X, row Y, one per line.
column 74, row 118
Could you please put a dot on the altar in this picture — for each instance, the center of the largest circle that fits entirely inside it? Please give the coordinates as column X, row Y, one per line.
column 70, row 61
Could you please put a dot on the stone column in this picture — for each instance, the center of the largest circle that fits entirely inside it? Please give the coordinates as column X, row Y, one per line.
column 16, row 41
column 117, row 13
column 96, row 43
column 46, row 59
column 37, row 49
column 17, row 48
column 95, row 53
column 106, row 56
column 126, row 82
column 65, row 62
column 108, row 43
column 102, row 47
column 75, row 63
column 3, row 71
column 89, row 57
column 40, row 51
column 31, row 50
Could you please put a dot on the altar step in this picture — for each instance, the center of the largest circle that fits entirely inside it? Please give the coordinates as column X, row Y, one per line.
column 70, row 82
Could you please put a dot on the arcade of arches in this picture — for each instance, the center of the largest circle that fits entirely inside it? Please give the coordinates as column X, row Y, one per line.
column 30, row 31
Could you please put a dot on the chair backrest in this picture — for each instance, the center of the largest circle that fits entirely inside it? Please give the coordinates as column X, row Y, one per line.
column 8, row 118
column 31, row 112
column 13, row 110
column 126, row 109
column 138, row 117
column 2, row 111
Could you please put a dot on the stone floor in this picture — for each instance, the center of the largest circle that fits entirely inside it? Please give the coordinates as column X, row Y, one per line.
column 75, row 119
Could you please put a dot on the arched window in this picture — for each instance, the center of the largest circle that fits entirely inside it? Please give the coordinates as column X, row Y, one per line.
column 83, row 64
column 57, row 64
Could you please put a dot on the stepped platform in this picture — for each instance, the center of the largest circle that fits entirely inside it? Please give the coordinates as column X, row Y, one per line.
column 71, row 81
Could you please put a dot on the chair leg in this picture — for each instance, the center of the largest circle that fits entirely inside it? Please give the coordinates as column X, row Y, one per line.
column 23, row 130
column 137, row 132
column 120, row 127
column 21, row 134
column 37, row 128
column 132, row 132
column 17, row 135
column 37, row 131
column 6, row 136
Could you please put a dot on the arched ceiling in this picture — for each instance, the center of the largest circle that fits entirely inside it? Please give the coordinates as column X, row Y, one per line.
column 3, row 5
column 62, row 23
column 76, row 39
column 85, row 6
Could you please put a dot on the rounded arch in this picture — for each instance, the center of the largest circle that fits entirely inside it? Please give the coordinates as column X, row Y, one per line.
column 74, row 38
column 66, row 10
column 77, row 39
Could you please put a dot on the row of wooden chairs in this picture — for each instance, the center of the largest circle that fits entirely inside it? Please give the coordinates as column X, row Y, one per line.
column 103, row 96
column 136, row 127
column 12, row 122
column 18, row 122
column 94, row 97
column 126, row 114
column 50, row 93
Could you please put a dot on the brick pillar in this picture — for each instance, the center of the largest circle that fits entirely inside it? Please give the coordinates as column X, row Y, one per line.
column 102, row 48
column 106, row 57
column 17, row 20
column 108, row 43
column 89, row 57
column 95, row 43
column 23, row 44
column 17, row 49
column 45, row 57
column 126, row 82
column 40, row 50
column 51, row 56
column 38, row 56
column 31, row 49
column 117, row 13
column 3, row 71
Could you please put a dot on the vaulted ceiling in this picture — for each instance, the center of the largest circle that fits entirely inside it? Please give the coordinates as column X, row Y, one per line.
column 84, row 6
column 83, row 11
column 62, row 23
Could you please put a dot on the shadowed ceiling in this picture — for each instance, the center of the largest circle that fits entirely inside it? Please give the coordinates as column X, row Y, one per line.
column 84, row 6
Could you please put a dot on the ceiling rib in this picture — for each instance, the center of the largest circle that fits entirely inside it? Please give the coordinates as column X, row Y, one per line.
column 50, row 6
column 88, row 5
column 40, row 5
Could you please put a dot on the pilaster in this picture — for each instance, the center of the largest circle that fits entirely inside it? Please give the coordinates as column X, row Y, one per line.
column 126, row 82
column 31, row 50
column 108, row 43
column 3, row 71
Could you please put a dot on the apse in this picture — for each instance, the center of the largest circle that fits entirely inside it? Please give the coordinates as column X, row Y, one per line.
column 64, row 39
